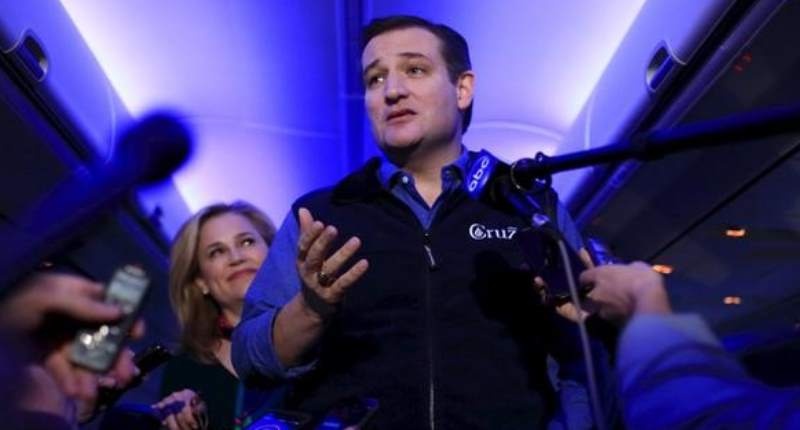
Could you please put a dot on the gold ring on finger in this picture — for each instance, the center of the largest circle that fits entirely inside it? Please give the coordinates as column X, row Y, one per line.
column 325, row 279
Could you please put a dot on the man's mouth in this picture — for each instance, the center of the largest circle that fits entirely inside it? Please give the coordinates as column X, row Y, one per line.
column 399, row 115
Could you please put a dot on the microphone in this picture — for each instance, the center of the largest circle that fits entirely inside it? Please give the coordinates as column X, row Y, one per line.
column 491, row 180
column 149, row 151
column 658, row 143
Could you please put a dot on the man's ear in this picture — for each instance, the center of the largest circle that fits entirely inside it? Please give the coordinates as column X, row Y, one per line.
column 465, row 89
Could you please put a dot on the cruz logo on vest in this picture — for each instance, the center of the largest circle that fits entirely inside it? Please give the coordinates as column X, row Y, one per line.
column 481, row 232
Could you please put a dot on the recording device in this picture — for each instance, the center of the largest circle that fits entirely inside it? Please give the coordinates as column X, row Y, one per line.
column 139, row 416
column 277, row 420
column 351, row 413
column 146, row 361
column 539, row 242
column 540, row 246
column 97, row 349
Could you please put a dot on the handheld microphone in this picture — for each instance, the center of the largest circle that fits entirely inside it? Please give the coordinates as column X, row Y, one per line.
column 541, row 242
column 488, row 178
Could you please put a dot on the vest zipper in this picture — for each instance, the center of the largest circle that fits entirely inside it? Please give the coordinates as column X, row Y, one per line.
column 429, row 253
column 429, row 325
column 431, row 389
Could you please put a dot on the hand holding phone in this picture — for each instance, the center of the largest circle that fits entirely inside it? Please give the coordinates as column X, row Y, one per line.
column 145, row 361
column 97, row 349
column 350, row 414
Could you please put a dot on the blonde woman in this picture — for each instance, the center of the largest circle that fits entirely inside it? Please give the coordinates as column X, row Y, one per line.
column 214, row 257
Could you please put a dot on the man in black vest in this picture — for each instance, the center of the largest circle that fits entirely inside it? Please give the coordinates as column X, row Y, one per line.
column 395, row 285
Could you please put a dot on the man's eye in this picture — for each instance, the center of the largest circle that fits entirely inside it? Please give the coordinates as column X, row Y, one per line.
column 248, row 242
column 416, row 70
column 374, row 80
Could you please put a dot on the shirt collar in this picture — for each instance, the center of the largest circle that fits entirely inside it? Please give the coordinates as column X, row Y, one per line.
column 389, row 174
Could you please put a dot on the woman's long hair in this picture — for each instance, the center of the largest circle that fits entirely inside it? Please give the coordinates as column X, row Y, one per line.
column 198, row 314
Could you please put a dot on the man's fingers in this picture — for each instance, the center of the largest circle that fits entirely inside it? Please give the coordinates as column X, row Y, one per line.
column 586, row 258
column 337, row 260
column 307, row 238
column 304, row 218
column 319, row 249
column 588, row 277
column 183, row 416
column 87, row 388
column 124, row 369
column 73, row 381
column 68, row 284
column 80, row 298
column 138, row 329
column 641, row 265
column 179, row 406
column 590, row 305
column 568, row 311
column 352, row 275
column 56, row 293
column 87, row 309
column 186, row 416
column 171, row 423
column 309, row 232
column 63, row 373
column 173, row 406
column 166, row 401
column 59, row 282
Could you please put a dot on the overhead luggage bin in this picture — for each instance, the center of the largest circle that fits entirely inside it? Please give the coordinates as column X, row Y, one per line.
column 47, row 55
column 667, row 41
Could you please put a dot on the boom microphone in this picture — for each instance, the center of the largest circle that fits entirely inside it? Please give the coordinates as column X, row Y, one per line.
column 658, row 143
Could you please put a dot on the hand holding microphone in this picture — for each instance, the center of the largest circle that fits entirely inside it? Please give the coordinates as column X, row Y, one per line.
column 620, row 291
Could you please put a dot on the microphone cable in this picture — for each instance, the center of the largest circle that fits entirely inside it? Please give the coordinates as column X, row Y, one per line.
column 591, row 377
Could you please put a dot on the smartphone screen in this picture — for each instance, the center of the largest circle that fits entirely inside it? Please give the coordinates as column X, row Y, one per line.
column 350, row 414
column 277, row 420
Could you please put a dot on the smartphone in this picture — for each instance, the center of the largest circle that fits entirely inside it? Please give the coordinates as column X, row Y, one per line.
column 146, row 361
column 350, row 414
column 98, row 348
column 150, row 358
column 276, row 420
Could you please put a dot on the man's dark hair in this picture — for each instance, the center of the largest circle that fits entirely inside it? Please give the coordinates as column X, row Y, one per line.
column 453, row 46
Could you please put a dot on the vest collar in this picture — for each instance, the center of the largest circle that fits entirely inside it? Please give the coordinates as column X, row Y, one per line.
column 364, row 184
column 360, row 185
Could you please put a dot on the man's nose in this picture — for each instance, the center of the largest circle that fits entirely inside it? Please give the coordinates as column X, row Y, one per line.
column 395, row 89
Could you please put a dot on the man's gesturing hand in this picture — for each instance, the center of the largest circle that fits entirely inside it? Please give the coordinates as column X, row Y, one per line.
column 325, row 281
